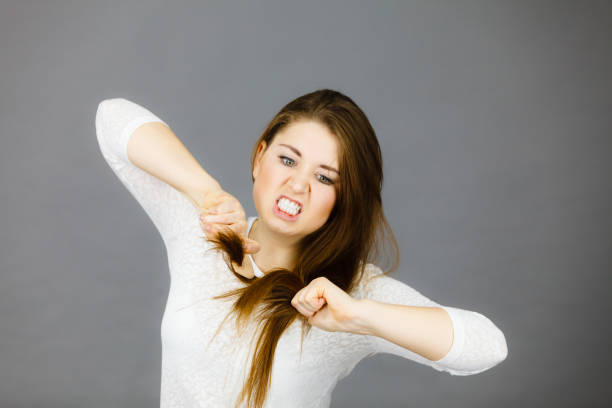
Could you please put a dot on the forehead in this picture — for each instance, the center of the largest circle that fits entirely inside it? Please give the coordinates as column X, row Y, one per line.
column 312, row 139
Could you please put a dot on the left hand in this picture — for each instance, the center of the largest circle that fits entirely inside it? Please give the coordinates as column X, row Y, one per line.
column 326, row 305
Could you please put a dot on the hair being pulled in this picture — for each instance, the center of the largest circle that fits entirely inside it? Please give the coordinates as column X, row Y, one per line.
column 338, row 250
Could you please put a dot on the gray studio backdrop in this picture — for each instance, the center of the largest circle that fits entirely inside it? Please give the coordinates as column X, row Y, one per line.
column 493, row 118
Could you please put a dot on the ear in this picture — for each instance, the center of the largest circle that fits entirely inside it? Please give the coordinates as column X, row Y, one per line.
column 260, row 152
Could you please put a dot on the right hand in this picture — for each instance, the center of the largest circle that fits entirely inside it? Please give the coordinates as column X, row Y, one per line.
column 223, row 210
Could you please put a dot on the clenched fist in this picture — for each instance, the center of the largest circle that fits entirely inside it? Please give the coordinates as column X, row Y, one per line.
column 221, row 210
column 327, row 306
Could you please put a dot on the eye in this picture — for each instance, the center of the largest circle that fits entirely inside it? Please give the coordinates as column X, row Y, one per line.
column 326, row 180
column 283, row 159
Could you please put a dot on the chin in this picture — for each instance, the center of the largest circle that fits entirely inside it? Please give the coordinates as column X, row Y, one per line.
column 281, row 226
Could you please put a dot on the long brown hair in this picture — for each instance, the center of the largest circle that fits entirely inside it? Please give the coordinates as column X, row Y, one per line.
column 338, row 250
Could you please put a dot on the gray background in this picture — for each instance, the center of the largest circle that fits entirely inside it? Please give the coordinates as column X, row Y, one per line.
column 494, row 121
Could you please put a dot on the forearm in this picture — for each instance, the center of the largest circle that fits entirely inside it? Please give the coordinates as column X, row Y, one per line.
column 154, row 148
column 427, row 331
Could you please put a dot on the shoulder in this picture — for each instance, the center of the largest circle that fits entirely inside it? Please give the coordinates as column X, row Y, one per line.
column 366, row 279
column 123, row 110
column 371, row 271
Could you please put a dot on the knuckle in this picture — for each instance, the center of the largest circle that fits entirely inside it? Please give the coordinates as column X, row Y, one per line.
column 320, row 279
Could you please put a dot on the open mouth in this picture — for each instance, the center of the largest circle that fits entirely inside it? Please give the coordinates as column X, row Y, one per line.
column 288, row 207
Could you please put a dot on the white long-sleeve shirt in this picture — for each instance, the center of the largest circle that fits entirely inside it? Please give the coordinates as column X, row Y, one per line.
column 198, row 374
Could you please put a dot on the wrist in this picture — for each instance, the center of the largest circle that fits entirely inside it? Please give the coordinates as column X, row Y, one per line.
column 198, row 195
column 361, row 322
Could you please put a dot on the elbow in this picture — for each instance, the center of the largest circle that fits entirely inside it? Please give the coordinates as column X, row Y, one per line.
column 498, row 347
column 496, row 350
column 102, row 113
column 104, row 107
column 100, row 119
column 486, row 348
column 108, row 113
column 502, row 352
column 110, row 105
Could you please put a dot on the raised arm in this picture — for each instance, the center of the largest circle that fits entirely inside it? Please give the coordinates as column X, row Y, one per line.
column 401, row 321
column 155, row 149
column 153, row 164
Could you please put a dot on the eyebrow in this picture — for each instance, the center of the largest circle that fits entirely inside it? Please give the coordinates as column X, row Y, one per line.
column 296, row 151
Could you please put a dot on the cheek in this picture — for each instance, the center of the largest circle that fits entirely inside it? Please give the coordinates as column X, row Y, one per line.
column 328, row 198
column 267, row 181
column 271, row 177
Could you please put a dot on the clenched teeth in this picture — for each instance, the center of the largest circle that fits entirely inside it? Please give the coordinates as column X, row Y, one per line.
column 288, row 206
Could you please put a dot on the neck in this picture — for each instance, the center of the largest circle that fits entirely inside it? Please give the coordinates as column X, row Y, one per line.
column 276, row 250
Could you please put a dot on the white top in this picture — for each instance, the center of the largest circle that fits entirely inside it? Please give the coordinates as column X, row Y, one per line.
column 258, row 273
column 197, row 374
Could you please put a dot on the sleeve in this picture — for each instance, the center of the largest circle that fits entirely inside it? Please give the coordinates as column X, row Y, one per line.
column 169, row 210
column 478, row 344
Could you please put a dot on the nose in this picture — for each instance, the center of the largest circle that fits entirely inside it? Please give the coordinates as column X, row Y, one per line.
column 299, row 183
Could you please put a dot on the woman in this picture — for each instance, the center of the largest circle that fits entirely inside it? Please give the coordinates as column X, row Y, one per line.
column 317, row 179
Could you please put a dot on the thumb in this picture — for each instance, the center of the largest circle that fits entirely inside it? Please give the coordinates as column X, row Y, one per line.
column 252, row 246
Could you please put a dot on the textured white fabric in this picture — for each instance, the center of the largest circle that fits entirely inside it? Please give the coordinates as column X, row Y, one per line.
column 196, row 373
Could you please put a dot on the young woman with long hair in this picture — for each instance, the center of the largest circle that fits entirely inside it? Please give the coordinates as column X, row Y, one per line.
column 300, row 279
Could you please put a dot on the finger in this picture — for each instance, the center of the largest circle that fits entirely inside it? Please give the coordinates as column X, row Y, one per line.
column 214, row 229
column 307, row 305
column 225, row 208
column 217, row 219
column 306, row 301
column 215, row 208
column 317, row 304
column 305, row 311
column 234, row 221
column 252, row 246
column 319, row 301
column 298, row 307
column 208, row 229
column 228, row 205
column 311, row 310
column 229, row 218
column 207, row 211
column 295, row 302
